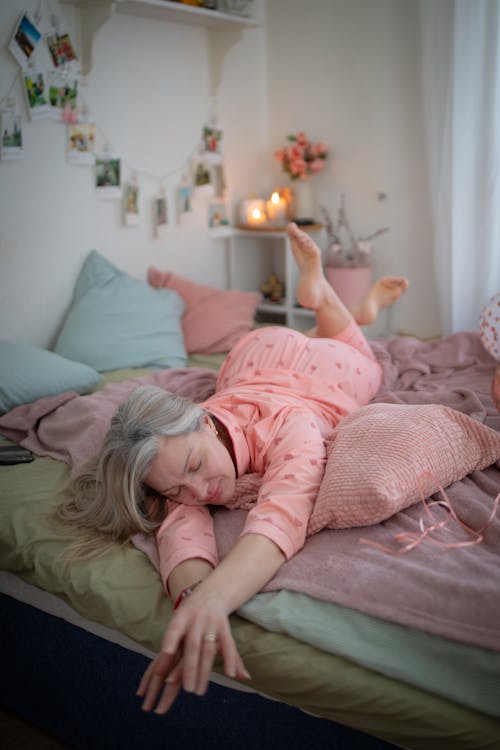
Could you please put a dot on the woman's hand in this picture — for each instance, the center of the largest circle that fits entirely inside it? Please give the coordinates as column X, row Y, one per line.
column 162, row 676
column 199, row 628
column 197, row 632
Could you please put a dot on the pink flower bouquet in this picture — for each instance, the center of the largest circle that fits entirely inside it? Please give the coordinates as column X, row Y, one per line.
column 302, row 159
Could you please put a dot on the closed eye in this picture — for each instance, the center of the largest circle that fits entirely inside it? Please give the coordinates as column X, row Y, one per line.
column 172, row 494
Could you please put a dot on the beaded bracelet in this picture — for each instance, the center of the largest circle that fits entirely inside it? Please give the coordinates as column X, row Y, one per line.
column 185, row 592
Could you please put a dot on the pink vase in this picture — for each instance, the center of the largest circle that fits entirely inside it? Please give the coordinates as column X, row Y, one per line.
column 351, row 284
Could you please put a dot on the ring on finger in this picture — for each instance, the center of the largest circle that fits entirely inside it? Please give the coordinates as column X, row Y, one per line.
column 210, row 637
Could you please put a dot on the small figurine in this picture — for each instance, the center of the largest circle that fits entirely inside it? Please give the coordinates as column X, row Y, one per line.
column 273, row 289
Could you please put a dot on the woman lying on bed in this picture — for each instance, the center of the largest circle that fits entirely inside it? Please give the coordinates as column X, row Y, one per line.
column 165, row 459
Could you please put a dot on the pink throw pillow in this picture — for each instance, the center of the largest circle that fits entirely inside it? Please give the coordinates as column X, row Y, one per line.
column 378, row 454
column 214, row 319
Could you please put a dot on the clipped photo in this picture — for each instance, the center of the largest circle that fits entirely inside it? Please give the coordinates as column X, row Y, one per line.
column 61, row 49
column 81, row 143
column 12, row 135
column 212, row 139
column 36, row 94
column 108, row 176
column 202, row 178
column 185, row 196
column 25, row 40
column 160, row 215
column 63, row 93
column 218, row 180
column 131, row 217
column 217, row 215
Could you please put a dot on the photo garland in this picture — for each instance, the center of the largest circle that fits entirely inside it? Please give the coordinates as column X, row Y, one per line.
column 51, row 90
column 49, row 72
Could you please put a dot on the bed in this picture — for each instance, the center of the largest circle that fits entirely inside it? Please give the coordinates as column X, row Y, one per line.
column 402, row 647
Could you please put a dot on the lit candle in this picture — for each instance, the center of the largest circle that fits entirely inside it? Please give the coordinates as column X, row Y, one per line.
column 276, row 208
column 253, row 212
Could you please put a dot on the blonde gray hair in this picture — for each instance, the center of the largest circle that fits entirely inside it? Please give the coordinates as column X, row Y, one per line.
column 110, row 496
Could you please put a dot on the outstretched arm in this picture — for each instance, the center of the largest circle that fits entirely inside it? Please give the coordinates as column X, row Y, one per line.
column 187, row 656
column 274, row 531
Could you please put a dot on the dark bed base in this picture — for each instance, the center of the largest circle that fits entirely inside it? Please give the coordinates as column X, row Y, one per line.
column 80, row 688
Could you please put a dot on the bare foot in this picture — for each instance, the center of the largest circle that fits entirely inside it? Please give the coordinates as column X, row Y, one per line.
column 311, row 283
column 383, row 293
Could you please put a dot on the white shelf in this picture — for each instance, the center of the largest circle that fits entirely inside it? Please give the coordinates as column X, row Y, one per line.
column 95, row 13
column 252, row 255
column 165, row 10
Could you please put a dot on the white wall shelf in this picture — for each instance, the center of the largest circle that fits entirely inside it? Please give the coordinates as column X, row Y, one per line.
column 166, row 10
column 252, row 256
column 95, row 13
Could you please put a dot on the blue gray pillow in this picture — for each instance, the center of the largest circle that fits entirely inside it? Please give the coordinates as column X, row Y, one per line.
column 28, row 373
column 117, row 321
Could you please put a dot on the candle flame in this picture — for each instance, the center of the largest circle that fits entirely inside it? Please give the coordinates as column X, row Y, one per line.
column 256, row 213
column 275, row 198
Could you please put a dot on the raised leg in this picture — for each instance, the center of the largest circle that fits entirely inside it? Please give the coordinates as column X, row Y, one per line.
column 313, row 291
column 384, row 293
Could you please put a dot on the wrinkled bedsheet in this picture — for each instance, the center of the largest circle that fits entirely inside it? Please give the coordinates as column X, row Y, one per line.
column 448, row 592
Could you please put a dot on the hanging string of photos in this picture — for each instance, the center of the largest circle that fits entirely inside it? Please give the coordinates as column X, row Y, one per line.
column 49, row 76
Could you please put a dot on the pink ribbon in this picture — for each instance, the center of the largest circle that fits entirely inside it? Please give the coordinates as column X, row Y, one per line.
column 412, row 539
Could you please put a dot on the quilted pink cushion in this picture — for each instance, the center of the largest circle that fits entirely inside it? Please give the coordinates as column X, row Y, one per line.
column 214, row 319
column 378, row 453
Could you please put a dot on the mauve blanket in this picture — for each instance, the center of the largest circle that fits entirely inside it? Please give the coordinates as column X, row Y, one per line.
column 450, row 592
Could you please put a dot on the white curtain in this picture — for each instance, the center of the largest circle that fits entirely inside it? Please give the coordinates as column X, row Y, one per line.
column 461, row 95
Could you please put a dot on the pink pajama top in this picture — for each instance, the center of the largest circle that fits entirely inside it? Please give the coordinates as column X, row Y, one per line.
column 279, row 394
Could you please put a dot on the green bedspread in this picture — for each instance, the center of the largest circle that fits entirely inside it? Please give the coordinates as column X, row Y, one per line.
column 122, row 590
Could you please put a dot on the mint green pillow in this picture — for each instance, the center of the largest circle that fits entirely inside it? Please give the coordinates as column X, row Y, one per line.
column 116, row 321
column 28, row 373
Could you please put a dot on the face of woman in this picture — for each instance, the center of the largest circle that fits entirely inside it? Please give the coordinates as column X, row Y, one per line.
column 193, row 469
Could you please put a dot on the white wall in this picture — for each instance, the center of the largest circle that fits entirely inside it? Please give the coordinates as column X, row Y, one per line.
column 343, row 71
column 150, row 92
column 346, row 72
